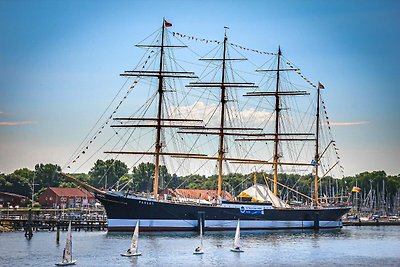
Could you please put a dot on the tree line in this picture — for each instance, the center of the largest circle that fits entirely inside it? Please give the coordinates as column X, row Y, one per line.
column 114, row 174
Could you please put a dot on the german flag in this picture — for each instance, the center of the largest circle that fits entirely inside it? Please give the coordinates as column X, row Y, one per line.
column 356, row 189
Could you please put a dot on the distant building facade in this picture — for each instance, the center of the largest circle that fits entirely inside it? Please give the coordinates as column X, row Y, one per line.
column 11, row 199
column 57, row 197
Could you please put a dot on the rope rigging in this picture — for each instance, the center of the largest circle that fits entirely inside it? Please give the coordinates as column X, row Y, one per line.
column 182, row 101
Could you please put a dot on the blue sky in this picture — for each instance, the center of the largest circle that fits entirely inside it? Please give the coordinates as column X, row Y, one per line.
column 60, row 61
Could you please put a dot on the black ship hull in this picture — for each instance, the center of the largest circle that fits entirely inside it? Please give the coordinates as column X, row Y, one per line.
column 124, row 211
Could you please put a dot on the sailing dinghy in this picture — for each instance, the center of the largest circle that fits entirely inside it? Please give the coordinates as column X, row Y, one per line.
column 133, row 249
column 67, row 253
column 199, row 250
column 236, row 243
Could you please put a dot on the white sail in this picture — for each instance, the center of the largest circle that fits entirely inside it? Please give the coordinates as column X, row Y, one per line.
column 199, row 249
column 135, row 237
column 67, row 255
column 201, row 235
column 133, row 248
column 236, row 243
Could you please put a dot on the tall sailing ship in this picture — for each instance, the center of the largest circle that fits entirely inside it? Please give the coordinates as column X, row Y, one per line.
column 259, row 130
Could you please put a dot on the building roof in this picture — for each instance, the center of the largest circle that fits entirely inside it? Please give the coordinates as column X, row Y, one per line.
column 12, row 195
column 70, row 192
column 196, row 193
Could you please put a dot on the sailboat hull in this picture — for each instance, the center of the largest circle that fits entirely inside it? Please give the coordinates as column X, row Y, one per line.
column 124, row 211
column 131, row 254
column 66, row 263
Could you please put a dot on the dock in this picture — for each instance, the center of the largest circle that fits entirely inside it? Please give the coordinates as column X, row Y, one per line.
column 371, row 223
column 52, row 225
column 52, row 220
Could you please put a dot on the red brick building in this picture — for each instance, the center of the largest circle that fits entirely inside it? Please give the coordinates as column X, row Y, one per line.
column 11, row 199
column 57, row 197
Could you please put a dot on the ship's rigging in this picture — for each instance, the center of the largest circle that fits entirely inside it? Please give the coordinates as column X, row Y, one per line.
column 264, row 133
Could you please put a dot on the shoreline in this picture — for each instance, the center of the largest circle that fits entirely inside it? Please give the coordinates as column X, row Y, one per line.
column 371, row 223
column 7, row 226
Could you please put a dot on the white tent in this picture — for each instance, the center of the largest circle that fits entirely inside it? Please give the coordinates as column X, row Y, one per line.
column 261, row 193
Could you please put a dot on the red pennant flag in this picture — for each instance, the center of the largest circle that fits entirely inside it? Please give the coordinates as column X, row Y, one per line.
column 167, row 24
column 321, row 86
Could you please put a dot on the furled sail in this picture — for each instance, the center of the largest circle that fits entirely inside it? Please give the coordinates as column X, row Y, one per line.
column 262, row 193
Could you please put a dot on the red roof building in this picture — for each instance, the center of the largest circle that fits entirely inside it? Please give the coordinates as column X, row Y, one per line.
column 208, row 195
column 58, row 197
column 11, row 199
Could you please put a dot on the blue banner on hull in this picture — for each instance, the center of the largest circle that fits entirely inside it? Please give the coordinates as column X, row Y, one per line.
column 251, row 210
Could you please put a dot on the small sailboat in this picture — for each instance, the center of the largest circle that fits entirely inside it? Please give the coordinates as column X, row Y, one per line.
column 67, row 253
column 236, row 243
column 199, row 250
column 133, row 249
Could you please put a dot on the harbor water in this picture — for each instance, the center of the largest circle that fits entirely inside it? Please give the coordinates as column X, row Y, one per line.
column 350, row 246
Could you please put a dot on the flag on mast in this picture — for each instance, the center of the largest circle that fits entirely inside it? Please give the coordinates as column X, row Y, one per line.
column 320, row 86
column 356, row 189
column 167, row 24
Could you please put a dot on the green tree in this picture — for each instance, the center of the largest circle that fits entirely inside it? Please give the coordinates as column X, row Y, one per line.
column 16, row 184
column 5, row 185
column 236, row 182
column 107, row 172
column 196, row 181
column 174, row 181
column 28, row 177
column 47, row 175
column 126, row 182
column 84, row 177
column 67, row 185
column 143, row 176
column 26, row 173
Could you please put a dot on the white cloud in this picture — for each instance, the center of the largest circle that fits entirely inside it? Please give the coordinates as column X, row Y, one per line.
column 15, row 123
column 350, row 123
column 211, row 113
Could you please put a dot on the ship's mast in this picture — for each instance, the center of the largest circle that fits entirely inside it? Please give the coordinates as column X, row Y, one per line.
column 277, row 111
column 222, row 130
column 159, row 122
column 222, row 123
column 159, row 116
column 278, row 136
column 317, row 147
